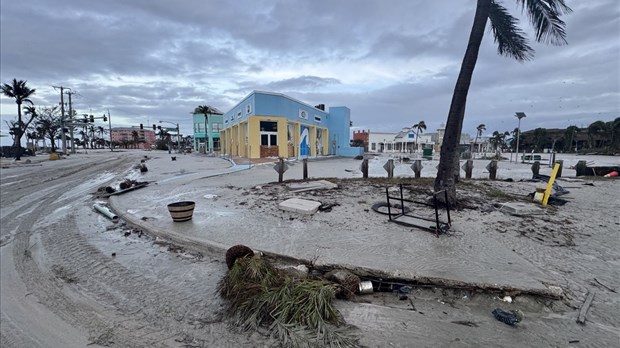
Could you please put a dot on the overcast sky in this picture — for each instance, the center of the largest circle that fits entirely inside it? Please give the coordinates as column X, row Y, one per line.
column 393, row 63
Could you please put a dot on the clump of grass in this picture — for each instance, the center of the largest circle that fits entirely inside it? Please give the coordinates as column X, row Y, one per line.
column 299, row 312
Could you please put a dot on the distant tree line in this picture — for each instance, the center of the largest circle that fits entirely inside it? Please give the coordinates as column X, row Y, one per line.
column 599, row 136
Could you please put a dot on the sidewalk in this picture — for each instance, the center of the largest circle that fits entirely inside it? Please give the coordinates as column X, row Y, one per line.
column 226, row 215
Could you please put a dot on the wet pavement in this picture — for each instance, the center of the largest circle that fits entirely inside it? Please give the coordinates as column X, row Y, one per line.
column 222, row 218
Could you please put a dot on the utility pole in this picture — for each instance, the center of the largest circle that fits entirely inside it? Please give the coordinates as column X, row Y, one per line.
column 69, row 93
column 110, row 129
column 62, row 119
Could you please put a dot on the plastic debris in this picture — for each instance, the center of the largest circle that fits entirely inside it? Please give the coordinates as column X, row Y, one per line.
column 506, row 299
column 405, row 289
column 508, row 318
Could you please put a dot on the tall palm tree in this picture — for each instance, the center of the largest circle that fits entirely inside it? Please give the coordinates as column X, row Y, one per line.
column 101, row 132
column 206, row 110
column 21, row 93
column 419, row 127
column 544, row 16
column 31, row 111
column 479, row 131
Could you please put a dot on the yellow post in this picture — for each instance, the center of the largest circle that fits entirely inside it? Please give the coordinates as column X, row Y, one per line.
column 554, row 172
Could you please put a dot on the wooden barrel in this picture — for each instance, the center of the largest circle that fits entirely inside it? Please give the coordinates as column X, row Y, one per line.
column 181, row 211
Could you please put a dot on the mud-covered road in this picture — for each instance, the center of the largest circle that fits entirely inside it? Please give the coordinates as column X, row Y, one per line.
column 72, row 278
column 61, row 285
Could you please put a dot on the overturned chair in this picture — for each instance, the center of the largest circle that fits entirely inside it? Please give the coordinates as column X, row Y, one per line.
column 408, row 215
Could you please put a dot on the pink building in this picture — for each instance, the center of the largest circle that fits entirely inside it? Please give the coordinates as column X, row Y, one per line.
column 125, row 137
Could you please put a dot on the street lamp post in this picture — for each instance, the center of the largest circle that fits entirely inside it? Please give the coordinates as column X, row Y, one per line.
column 518, row 115
column 178, row 135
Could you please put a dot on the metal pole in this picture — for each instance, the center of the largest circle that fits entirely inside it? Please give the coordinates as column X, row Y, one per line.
column 518, row 136
column 62, row 122
column 110, row 129
column 178, row 140
column 519, row 115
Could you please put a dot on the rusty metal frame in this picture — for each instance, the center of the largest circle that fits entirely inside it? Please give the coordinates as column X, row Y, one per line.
column 440, row 226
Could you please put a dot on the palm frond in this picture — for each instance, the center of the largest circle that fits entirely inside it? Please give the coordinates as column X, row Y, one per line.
column 298, row 312
column 510, row 39
column 544, row 16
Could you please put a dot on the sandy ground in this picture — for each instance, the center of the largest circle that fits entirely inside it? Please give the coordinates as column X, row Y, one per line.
column 61, row 285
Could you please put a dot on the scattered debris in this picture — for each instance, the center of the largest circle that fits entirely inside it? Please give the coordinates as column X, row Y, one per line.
column 262, row 297
column 126, row 186
column 366, row 287
column 107, row 212
column 508, row 318
column 349, row 283
column 327, row 207
column 311, row 185
column 581, row 319
column 507, row 299
column 298, row 205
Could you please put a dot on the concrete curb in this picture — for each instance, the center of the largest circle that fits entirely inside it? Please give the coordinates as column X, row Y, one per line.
column 216, row 248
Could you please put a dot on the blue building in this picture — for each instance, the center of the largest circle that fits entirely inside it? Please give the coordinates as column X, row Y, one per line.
column 266, row 124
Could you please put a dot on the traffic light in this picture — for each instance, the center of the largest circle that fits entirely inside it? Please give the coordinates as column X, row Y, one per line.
column 141, row 126
column 159, row 127
column 92, row 119
column 105, row 118
column 154, row 127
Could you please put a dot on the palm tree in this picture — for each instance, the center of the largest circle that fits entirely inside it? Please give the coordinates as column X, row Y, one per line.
column 21, row 93
column 134, row 138
column 206, row 110
column 498, row 140
column 598, row 128
column 419, row 127
column 101, row 132
column 544, row 16
column 479, row 131
column 569, row 135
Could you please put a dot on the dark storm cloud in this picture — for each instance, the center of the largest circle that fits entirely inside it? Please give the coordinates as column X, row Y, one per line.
column 392, row 64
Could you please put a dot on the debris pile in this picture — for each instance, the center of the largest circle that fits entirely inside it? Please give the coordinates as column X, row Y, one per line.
column 298, row 312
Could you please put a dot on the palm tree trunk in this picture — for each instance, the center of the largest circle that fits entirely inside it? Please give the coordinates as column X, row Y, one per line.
column 448, row 171
column 17, row 143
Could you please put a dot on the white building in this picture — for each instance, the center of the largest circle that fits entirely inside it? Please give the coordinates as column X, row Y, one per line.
column 401, row 142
